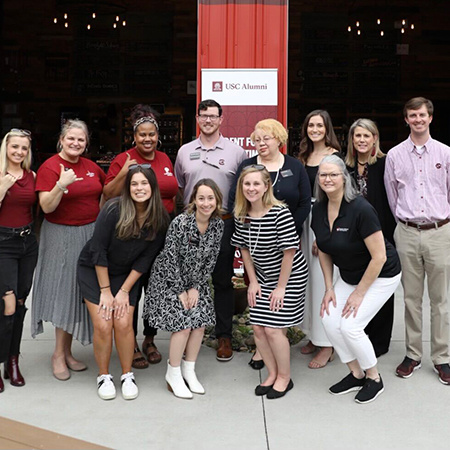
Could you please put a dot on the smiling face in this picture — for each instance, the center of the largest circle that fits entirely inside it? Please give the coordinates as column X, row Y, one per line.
column 253, row 187
column 146, row 138
column 209, row 121
column 266, row 144
column 17, row 150
column 419, row 120
column 331, row 179
column 73, row 144
column 363, row 140
column 316, row 129
column 205, row 202
column 140, row 189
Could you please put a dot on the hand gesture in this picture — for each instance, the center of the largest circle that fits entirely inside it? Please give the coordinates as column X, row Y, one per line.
column 184, row 299
column 192, row 297
column 329, row 296
column 106, row 305
column 276, row 298
column 253, row 292
column 67, row 177
column 7, row 181
column 128, row 163
column 121, row 304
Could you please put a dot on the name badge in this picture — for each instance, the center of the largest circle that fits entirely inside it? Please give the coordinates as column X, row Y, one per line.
column 195, row 155
column 286, row 173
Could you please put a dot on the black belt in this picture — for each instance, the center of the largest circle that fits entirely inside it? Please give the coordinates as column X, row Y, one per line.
column 425, row 226
column 21, row 232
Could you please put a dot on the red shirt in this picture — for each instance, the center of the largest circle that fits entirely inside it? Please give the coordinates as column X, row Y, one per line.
column 16, row 207
column 161, row 165
column 81, row 205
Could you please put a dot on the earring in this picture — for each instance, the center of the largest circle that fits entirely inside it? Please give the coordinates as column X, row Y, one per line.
column 133, row 143
column 373, row 150
column 159, row 144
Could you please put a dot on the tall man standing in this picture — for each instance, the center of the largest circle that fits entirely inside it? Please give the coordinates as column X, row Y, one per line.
column 213, row 156
column 417, row 179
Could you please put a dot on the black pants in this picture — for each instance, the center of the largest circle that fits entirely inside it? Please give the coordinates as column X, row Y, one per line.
column 379, row 329
column 148, row 330
column 18, row 257
column 223, row 286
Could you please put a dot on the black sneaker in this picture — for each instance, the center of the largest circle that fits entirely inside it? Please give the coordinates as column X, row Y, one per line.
column 370, row 391
column 347, row 384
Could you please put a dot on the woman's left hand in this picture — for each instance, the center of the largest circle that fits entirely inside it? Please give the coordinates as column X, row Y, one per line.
column 192, row 297
column 276, row 298
column 352, row 305
column 121, row 304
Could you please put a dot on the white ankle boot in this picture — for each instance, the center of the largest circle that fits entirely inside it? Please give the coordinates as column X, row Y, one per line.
column 188, row 372
column 175, row 382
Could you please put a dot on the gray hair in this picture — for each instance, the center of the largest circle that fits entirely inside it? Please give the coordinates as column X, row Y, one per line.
column 350, row 191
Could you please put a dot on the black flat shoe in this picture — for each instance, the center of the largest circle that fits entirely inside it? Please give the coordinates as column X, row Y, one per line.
column 262, row 390
column 257, row 365
column 273, row 393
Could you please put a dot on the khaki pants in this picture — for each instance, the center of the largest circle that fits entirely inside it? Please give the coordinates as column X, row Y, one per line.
column 425, row 252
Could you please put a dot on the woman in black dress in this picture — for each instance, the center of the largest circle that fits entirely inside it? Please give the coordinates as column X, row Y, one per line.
column 365, row 162
column 128, row 235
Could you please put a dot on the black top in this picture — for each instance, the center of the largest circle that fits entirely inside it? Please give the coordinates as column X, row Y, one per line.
column 105, row 249
column 376, row 196
column 345, row 244
column 312, row 173
column 292, row 187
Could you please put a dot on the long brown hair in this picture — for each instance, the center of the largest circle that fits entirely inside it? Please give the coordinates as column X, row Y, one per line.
column 191, row 207
column 306, row 145
column 156, row 216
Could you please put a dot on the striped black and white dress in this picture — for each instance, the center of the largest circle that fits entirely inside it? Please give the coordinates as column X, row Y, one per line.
column 266, row 238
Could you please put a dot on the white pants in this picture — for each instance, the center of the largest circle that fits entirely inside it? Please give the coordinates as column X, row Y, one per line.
column 347, row 335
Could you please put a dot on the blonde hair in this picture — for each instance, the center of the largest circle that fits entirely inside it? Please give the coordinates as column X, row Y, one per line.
column 242, row 205
column 273, row 127
column 191, row 207
column 371, row 127
column 72, row 123
column 26, row 163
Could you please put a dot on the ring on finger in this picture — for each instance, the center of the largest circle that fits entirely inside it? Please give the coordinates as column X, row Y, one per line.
column 103, row 307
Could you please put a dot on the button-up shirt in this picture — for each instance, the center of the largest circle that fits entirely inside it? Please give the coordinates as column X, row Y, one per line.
column 195, row 161
column 418, row 184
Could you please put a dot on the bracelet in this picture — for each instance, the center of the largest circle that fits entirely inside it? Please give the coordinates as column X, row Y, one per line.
column 124, row 290
column 329, row 289
column 105, row 287
column 60, row 186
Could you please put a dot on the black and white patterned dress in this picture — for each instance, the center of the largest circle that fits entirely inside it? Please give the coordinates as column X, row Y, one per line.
column 187, row 261
column 266, row 238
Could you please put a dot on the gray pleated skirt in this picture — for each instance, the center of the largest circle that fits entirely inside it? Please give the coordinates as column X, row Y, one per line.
column 56, row 294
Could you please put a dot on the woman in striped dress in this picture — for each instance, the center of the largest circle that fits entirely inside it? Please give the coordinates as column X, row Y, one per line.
column 266, row 234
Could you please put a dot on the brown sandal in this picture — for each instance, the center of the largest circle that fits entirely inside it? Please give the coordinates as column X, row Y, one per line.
column 139, row 362
column 151, row 351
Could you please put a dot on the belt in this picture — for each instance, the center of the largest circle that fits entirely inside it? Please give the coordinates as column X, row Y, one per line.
column 21, row 232
column 226, row 216
column 425, row 226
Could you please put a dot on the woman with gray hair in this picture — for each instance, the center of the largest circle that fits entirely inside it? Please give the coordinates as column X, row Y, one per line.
column 365, row 162
column 69, row 188
column 349, row 235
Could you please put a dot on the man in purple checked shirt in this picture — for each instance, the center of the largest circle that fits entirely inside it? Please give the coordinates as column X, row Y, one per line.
column 417, row 179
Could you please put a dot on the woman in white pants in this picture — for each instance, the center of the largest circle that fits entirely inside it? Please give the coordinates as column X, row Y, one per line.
column 348, row 234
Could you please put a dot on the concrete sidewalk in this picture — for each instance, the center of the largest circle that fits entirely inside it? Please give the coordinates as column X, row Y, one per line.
column 412, row 413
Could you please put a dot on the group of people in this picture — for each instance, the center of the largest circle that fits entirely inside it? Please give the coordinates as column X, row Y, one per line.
column 105, row 240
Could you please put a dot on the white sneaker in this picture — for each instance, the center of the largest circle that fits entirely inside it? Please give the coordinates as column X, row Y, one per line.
column 105, row 387
column 129, row 388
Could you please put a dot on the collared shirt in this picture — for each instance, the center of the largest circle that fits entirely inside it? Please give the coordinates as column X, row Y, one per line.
column 195, row 161
column 418, row 185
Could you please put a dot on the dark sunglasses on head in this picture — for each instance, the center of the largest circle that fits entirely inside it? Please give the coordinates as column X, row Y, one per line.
column 24, row 132
column 142, row 166
column 256, row 166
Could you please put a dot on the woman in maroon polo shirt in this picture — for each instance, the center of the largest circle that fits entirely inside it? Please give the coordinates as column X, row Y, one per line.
column 146, row 138
column 18, row 246
column 69, row 188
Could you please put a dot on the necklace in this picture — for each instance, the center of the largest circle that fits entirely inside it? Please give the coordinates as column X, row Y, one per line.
column 362, row 164
column 280, row 165
column 250, row 238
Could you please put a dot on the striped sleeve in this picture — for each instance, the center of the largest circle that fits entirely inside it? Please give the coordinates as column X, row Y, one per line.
column 287, row 236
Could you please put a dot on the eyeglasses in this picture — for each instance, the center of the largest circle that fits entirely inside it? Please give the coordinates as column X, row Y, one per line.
column 142, row 166
column 24, row 132
column 205, row 117
column 332, row 176
column 265, row 139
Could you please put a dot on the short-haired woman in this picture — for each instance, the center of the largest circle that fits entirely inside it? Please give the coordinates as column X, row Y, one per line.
column 349, row 235
column 128, row 235
column 178, row 297
column 18, row 246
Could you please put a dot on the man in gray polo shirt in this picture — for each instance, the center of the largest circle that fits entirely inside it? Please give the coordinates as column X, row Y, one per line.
column 213, row 156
